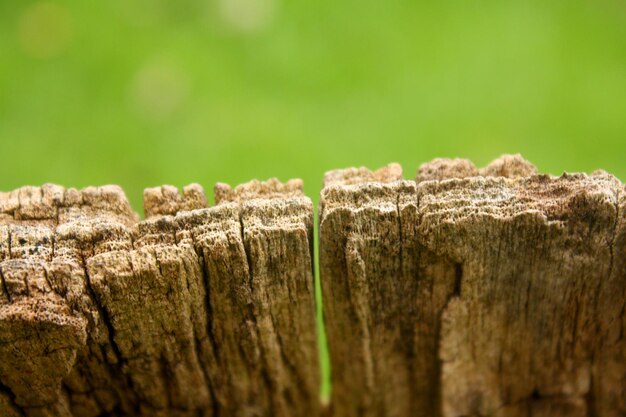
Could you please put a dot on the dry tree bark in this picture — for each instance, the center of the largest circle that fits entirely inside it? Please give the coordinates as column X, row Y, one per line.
column 491, row 292
column 193, row 311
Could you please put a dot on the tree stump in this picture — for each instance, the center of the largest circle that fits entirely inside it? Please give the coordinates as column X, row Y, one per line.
column 192, row 311
column 492, row 292
column 465, row 292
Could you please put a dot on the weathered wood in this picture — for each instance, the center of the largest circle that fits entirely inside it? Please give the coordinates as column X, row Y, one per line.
column 492, row 292
column 467, row 292
column 193, row 311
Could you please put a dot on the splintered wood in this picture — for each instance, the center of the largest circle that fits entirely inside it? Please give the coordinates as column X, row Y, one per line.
column 193, row 311
column 466, row 292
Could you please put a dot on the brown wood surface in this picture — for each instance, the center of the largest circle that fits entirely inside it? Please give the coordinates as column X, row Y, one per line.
column 491, row 292
column 466, row 292
column 192, row 311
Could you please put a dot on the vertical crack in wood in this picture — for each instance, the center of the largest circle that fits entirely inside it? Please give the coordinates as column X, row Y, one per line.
column 438, row 374
column 4, row 286
column 208, row 310
column 103, row 314
column 13, row 407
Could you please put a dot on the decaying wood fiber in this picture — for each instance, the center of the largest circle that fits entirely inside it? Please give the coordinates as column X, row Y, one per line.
column 194, row 311
column 466, row 292
column 474, row 292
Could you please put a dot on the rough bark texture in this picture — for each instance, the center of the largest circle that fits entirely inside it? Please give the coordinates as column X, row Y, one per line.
column 467, row 292
column 194, row 311
column 491, row 292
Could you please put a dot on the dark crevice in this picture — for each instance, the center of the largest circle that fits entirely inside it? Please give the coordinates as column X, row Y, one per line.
column 611, row 246
column 67, row 393
column 47, row 277
column 209, row 308
column 4, row 286
column 458, row 281
column 167, row 376
column 247, row 251
column 204, row 282
column 9, row 242
column 16, row 212
column 52, row 244
column 614, row 233
column 104, row 314
column 56, row 212
column 209, row 328
column 455, row 293
column 4, row 389
column 590, row 398
column 408, row 330
column 400, row 238
column 70, row 393
column 106, row 319
column 535, row 395
column 527, row 299
column 115, row 412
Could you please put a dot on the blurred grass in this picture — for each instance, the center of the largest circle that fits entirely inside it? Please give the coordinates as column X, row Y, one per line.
column 149, row 92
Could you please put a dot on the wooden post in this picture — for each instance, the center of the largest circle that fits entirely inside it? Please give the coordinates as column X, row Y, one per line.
column 464, row 292
column 492, row 292
column 193, row 311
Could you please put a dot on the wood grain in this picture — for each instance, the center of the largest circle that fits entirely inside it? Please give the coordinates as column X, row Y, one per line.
column 491, row 292
column 192, row 311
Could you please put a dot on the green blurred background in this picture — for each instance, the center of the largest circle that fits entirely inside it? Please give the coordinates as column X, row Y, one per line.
column 140, row 93
column 146, row 92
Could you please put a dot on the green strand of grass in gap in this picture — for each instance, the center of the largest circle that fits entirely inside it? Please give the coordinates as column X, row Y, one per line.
column 322, row 343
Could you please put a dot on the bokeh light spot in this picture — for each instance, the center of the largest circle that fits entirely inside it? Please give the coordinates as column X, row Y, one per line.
column 45, row 30
column 246, row 16
column 159, row 90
